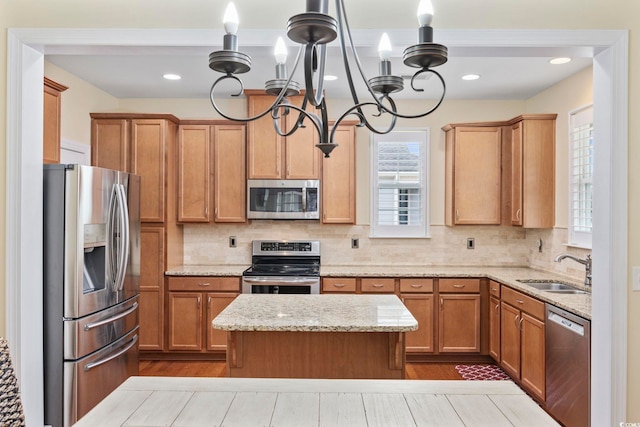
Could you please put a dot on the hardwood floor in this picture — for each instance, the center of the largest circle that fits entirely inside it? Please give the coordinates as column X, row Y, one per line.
column 169, row 368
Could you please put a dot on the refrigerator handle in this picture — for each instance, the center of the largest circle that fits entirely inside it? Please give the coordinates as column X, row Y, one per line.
column 112, row 267
column 123, row 249
column 92, row 365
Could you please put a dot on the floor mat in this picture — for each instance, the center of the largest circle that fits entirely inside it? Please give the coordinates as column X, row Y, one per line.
column 482, row 373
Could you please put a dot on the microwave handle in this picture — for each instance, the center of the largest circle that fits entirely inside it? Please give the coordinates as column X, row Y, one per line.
column 304, row 199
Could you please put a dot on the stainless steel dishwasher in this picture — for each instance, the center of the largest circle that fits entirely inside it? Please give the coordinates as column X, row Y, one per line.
column 568, row 367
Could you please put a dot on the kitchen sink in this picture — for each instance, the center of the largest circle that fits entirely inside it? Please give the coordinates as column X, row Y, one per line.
column 565, row 291
column 553, row 287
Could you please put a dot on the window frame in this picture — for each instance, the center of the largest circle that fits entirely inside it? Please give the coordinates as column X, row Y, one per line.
column 579, row 239
column 422, row 230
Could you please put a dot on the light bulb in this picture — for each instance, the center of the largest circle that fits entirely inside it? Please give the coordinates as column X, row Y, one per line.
column 230, row 19
column 280, row 52
column 425, row 13
column 384, row 48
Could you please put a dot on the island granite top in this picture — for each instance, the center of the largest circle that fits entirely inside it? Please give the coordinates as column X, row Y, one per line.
column 316, row 313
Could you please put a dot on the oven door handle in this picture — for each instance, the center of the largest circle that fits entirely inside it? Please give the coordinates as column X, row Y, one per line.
column 288, row 280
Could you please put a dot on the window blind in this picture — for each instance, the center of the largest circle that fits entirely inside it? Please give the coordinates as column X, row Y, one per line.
column 581, row 176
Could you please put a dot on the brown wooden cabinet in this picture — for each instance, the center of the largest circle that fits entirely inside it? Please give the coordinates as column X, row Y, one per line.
column 338, row 284
column 417, row 296
column 51, row 124
column 473, row 174
column 145, row 144
column 382, row 285
column 494, row 320
column 193, row 302
column 339, row 179
column 152, row 267
column 271, row 156
column 523, row 340
column 211, row 172
column 533, row 170
column 459, row 316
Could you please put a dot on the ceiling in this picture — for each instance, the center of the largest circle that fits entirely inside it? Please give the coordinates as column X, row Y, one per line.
column 136, row 72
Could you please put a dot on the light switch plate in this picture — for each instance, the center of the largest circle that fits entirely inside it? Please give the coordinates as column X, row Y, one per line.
column 635, row 278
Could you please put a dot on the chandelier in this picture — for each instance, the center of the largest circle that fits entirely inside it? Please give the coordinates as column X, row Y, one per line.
column 313, row 30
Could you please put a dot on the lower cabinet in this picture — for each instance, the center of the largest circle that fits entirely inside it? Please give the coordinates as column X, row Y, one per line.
column 494, row 320
column 523, row 340
column 152, row 267
column 459, row 316
column 417, row 296
column 193, row 302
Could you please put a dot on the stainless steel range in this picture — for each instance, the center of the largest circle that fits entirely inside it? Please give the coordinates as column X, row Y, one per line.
column 283, row 267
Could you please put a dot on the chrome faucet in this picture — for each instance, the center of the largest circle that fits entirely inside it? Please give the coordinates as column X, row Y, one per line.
column 586, row 262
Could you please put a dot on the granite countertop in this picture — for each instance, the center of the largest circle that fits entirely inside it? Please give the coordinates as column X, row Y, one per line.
column 316, row 313
column 207, row 270
column 574, row 303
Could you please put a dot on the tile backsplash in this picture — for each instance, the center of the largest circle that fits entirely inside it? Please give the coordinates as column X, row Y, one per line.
column 208, row 244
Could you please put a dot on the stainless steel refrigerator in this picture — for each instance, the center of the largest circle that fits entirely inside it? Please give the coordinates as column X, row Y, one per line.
column 91, row 286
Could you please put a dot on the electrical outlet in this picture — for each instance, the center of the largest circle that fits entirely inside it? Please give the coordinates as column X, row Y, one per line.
column 355, row 243
column 635, row 278
column 471, row 243
column 232, row 241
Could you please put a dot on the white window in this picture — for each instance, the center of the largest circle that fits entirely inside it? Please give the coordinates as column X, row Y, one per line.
column 581, row 177
column 399, row 188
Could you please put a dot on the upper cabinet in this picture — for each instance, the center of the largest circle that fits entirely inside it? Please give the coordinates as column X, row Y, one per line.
column 338, row 183
column 51, row 124
column 501, row 172
column 533, row 147
column 271, row 156
column 211, row 172
column 473, row 174
column 143, row 144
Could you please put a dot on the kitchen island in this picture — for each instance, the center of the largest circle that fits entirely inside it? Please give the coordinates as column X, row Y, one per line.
column 316, row 336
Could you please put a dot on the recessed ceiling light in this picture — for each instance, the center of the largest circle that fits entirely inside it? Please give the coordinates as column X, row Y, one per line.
column 559, row 61
column 471, row 77
column 170, row 76
column 330, row 77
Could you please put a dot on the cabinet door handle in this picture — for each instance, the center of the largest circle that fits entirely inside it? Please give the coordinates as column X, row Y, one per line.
column 441, row 304
column 198, row 302
column 206, row 211
column 515, row 320
column 497, row 306
column 339, row 285
column 209, row 301
column 520, row 323
column 204, row 284
column 457, row 214
column 459, row 286
column 518, row 215
column 416, row 285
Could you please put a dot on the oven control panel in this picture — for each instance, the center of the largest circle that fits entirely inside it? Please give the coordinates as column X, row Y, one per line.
column 286, row 247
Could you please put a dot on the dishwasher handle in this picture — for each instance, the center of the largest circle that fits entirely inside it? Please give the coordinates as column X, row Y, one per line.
column 566, row 323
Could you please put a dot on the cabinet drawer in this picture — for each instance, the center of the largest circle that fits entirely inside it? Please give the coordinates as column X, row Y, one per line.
column 378, row 285
column 204, row 283
column 523, row 302
column 494, row 288
column 338, row 284
column 465, row 286
column 416, row 285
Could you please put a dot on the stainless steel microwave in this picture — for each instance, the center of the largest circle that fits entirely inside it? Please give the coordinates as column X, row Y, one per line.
column 283, row 199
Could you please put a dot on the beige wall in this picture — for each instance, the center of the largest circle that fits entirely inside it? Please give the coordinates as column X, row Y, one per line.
column 462, row 14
